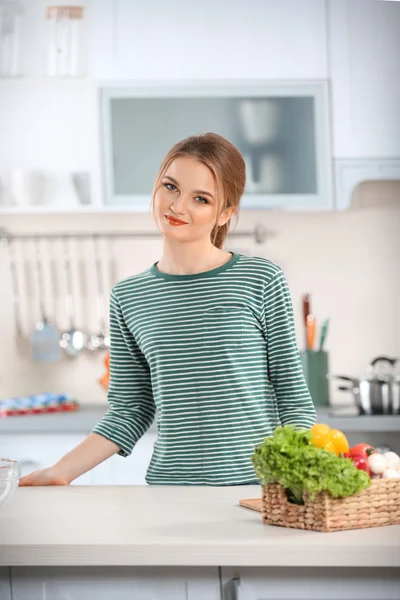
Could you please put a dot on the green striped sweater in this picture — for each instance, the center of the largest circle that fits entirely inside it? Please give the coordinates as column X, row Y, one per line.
column 214, row 354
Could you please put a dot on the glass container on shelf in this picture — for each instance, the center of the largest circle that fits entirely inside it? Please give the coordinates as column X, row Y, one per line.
column 65, row 50
column 11, row 14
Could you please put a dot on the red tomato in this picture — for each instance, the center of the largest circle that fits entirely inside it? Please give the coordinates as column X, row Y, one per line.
column 362, row 449
column 361, row 463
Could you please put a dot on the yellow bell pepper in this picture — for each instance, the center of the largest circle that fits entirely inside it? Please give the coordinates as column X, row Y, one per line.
column 332, row 440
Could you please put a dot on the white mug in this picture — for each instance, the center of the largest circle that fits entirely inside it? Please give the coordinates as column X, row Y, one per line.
column 81, row 183
column 27, row 187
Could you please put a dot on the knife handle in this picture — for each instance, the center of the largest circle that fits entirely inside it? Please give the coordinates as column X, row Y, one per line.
column 306, row 307
column 310, row 329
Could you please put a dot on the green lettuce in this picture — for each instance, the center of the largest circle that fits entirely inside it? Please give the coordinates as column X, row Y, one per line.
column 287, row 457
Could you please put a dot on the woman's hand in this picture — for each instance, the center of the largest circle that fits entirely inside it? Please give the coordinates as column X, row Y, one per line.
column 88, row 454
column 47, row 476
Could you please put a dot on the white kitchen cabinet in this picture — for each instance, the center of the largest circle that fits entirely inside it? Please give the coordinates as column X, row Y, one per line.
column 282, row 131
column 179, row 40
column 255, row 583
column 124, row 583
column 130, row 470
column 5, row 583
column 350, row 172
column 364, row 65
column 37, row 451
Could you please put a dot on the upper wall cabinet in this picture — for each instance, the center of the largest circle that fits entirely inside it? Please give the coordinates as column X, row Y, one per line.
column 282, row 131
column 364, row 51
column 158, row 40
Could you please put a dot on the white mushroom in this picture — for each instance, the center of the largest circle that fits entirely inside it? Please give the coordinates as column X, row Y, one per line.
column 377, row 463
column 392, row 460
column 391, row 474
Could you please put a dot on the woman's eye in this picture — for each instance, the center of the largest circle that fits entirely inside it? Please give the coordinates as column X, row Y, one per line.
column 170, row 186
column 201, row 200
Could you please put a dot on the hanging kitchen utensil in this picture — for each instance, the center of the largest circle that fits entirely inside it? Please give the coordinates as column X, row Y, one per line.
column 44, row 340
column 15, row 289
column 105, row 379
column 99, row 340
column 73, row 340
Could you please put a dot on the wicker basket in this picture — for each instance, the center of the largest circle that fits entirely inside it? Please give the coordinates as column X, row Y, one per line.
column 377, row 505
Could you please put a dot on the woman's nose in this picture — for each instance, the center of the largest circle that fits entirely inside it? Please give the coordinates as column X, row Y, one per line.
column 179, row 205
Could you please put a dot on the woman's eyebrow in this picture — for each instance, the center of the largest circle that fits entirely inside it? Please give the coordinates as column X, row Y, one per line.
column 194, row 191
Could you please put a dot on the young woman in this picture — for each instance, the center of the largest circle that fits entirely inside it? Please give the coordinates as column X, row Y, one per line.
column 204, row 337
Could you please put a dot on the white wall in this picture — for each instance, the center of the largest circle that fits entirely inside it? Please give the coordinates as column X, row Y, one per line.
column 349, row 261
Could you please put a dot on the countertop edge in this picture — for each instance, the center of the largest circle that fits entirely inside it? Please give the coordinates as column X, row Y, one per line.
column 197, row 556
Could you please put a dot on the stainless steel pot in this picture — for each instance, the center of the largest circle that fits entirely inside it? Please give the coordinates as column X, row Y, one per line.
column 378, row 393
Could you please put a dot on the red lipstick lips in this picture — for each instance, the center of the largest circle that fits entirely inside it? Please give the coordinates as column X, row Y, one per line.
column 174, row 221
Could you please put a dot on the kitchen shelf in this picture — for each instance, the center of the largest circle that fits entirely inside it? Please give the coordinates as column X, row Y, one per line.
column 58, row 210
column 40, row 79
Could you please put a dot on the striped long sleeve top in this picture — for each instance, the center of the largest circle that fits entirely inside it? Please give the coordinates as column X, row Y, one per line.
column 215, row 356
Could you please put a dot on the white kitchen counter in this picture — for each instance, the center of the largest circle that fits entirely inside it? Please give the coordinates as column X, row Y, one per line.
column 172, row 526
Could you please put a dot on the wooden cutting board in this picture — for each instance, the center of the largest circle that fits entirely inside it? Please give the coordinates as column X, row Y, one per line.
column 252, row 503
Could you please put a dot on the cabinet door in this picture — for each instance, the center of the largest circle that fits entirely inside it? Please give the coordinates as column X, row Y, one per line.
column 101, row 39
column 350, row 172
column 118, row 470
column 5, row 583
column 124, row 583
column 218, row 40
column 39, row 450
column 364, row 49
column 282, row 131
column 276, row 583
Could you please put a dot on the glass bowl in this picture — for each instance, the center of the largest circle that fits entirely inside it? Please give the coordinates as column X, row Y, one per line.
column 10, row 472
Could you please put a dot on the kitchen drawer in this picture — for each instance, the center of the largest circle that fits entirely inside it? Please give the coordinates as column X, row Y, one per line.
column 5, row 583
column 273, row 583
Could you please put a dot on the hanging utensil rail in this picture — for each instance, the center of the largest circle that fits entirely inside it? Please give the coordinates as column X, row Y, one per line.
column 259, row 233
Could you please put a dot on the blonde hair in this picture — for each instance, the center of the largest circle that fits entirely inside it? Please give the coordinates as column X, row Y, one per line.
column 227, row 165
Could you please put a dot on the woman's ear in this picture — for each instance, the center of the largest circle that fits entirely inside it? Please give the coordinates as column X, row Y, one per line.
column 226, row 215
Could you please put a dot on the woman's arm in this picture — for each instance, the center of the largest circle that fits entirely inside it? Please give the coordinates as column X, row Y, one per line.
column 130, row 395
column 130, row 414
column 284, row 364
column 92, row 451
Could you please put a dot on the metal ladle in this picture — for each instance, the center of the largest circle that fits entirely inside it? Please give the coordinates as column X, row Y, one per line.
column 15, row 288
column 73, row 340
column 99, row 340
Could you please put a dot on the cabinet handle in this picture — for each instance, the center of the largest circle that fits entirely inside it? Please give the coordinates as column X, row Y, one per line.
column 232, row 588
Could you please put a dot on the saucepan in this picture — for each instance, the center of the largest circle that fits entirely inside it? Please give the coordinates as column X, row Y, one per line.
column 379, row 392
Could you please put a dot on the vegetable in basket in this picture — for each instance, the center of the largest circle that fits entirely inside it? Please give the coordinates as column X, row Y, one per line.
column 290, row 457
column 329, row 439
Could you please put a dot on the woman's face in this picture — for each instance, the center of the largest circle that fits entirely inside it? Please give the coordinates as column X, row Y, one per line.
column 187, row 193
